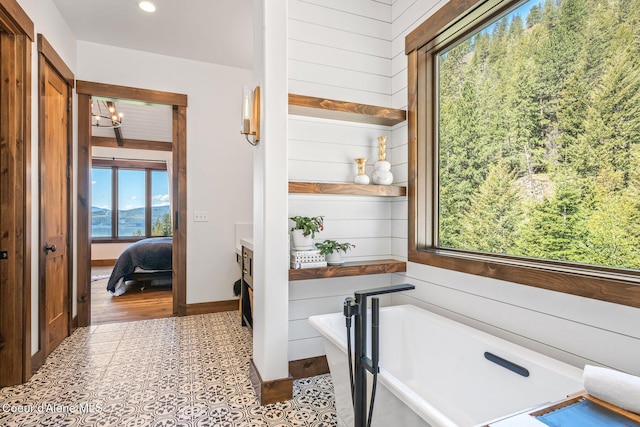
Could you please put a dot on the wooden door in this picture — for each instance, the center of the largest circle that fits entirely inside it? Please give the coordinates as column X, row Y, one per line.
column 16, row 37
column 5, row 242
column 54, row 211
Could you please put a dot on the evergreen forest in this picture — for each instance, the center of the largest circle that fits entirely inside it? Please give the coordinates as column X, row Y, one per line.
column 539, row 135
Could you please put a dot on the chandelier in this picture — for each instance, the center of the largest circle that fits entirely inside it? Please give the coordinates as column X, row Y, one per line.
column 104, row 114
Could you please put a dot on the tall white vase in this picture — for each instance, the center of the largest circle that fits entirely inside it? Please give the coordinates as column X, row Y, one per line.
column 382, row 168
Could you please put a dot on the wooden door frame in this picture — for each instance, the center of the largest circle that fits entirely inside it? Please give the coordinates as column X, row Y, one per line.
column 85, row 90
column 15, row 114
column 47, row 56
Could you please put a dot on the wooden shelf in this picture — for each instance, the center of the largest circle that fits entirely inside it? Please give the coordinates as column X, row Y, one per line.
column 341, row 110
column 357, row 268
column 347, row 188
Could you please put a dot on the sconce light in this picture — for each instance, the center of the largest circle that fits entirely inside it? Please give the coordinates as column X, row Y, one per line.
column 251, row 114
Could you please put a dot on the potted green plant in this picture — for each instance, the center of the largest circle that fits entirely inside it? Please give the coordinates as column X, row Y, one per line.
column 332, row 250
column 304, row 230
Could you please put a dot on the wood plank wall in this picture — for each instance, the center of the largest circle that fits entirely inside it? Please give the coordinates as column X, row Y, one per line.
column 338, row 50
column 354, row 51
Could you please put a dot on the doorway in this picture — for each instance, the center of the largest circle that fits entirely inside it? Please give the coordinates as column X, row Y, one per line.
column 178, row 103
column 131, row 225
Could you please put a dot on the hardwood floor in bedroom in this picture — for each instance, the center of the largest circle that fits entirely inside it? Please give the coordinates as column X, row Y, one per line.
column 138, row 303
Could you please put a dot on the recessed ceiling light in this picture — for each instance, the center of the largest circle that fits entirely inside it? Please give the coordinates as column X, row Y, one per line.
column 147, row 6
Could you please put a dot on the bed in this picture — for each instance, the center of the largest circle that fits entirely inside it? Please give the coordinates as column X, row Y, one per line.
column 147, row 259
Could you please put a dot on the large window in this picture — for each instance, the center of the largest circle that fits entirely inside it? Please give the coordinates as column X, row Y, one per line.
column 130, row 200
column 528, row 139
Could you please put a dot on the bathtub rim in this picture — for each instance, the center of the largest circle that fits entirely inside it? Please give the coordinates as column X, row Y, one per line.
column 419, row 405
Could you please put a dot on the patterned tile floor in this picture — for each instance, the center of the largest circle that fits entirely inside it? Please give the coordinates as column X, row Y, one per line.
column 179, row 371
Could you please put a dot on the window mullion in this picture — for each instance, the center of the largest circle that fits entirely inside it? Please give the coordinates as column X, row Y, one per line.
column 147, row 203
column 114, row 202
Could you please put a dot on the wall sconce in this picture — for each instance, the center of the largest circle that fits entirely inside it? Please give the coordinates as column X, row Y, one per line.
column 251, row 114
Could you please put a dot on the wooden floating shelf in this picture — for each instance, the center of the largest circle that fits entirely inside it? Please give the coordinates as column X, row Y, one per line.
column 357, row 268
column 347, row 188
column 310, row 106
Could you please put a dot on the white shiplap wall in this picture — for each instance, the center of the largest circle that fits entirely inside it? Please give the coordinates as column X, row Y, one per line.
column 354, row 51
column 338, row 50
column 574, row 329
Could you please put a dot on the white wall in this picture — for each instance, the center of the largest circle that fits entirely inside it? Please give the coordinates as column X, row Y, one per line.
column 338, row 50
column 48, row 22
column 574, row 329
column 219, row 161
column 270, row 257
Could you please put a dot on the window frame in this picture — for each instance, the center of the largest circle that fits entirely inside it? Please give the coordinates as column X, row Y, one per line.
column 450, row 23
column 148, row 166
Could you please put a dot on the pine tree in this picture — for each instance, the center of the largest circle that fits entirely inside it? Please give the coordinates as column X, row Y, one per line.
column 162, row 226
column 555, row 227
column 612, row 238
column 491, row 224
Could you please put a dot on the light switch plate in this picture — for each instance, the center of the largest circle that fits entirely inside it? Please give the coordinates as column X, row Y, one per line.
column 200, row 216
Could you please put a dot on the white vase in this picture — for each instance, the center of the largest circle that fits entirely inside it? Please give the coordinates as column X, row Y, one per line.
column 334, row 258
column 382, row 174
column 300, row 242
column 362, row 177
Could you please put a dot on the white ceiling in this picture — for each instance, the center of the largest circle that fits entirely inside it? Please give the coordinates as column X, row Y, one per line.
column 140, row 120
column 214, row 31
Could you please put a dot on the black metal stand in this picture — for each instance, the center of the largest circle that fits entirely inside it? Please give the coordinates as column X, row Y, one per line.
column 363, row 363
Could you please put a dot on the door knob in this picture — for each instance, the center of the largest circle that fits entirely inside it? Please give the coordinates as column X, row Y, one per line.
column 48, row 248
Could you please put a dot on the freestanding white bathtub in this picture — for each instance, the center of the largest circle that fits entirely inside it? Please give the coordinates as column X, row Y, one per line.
column 434, row 372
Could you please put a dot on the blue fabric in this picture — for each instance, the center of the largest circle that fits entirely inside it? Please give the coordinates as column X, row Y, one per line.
column 585, row 414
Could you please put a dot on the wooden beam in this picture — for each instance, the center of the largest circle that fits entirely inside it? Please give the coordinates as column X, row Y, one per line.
column 139, row 144
column 125, row 92
column 160, row 165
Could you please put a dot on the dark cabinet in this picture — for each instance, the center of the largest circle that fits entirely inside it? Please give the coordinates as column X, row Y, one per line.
column 246, row 291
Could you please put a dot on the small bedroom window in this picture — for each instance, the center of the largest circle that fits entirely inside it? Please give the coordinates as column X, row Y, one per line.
column 130, row 200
